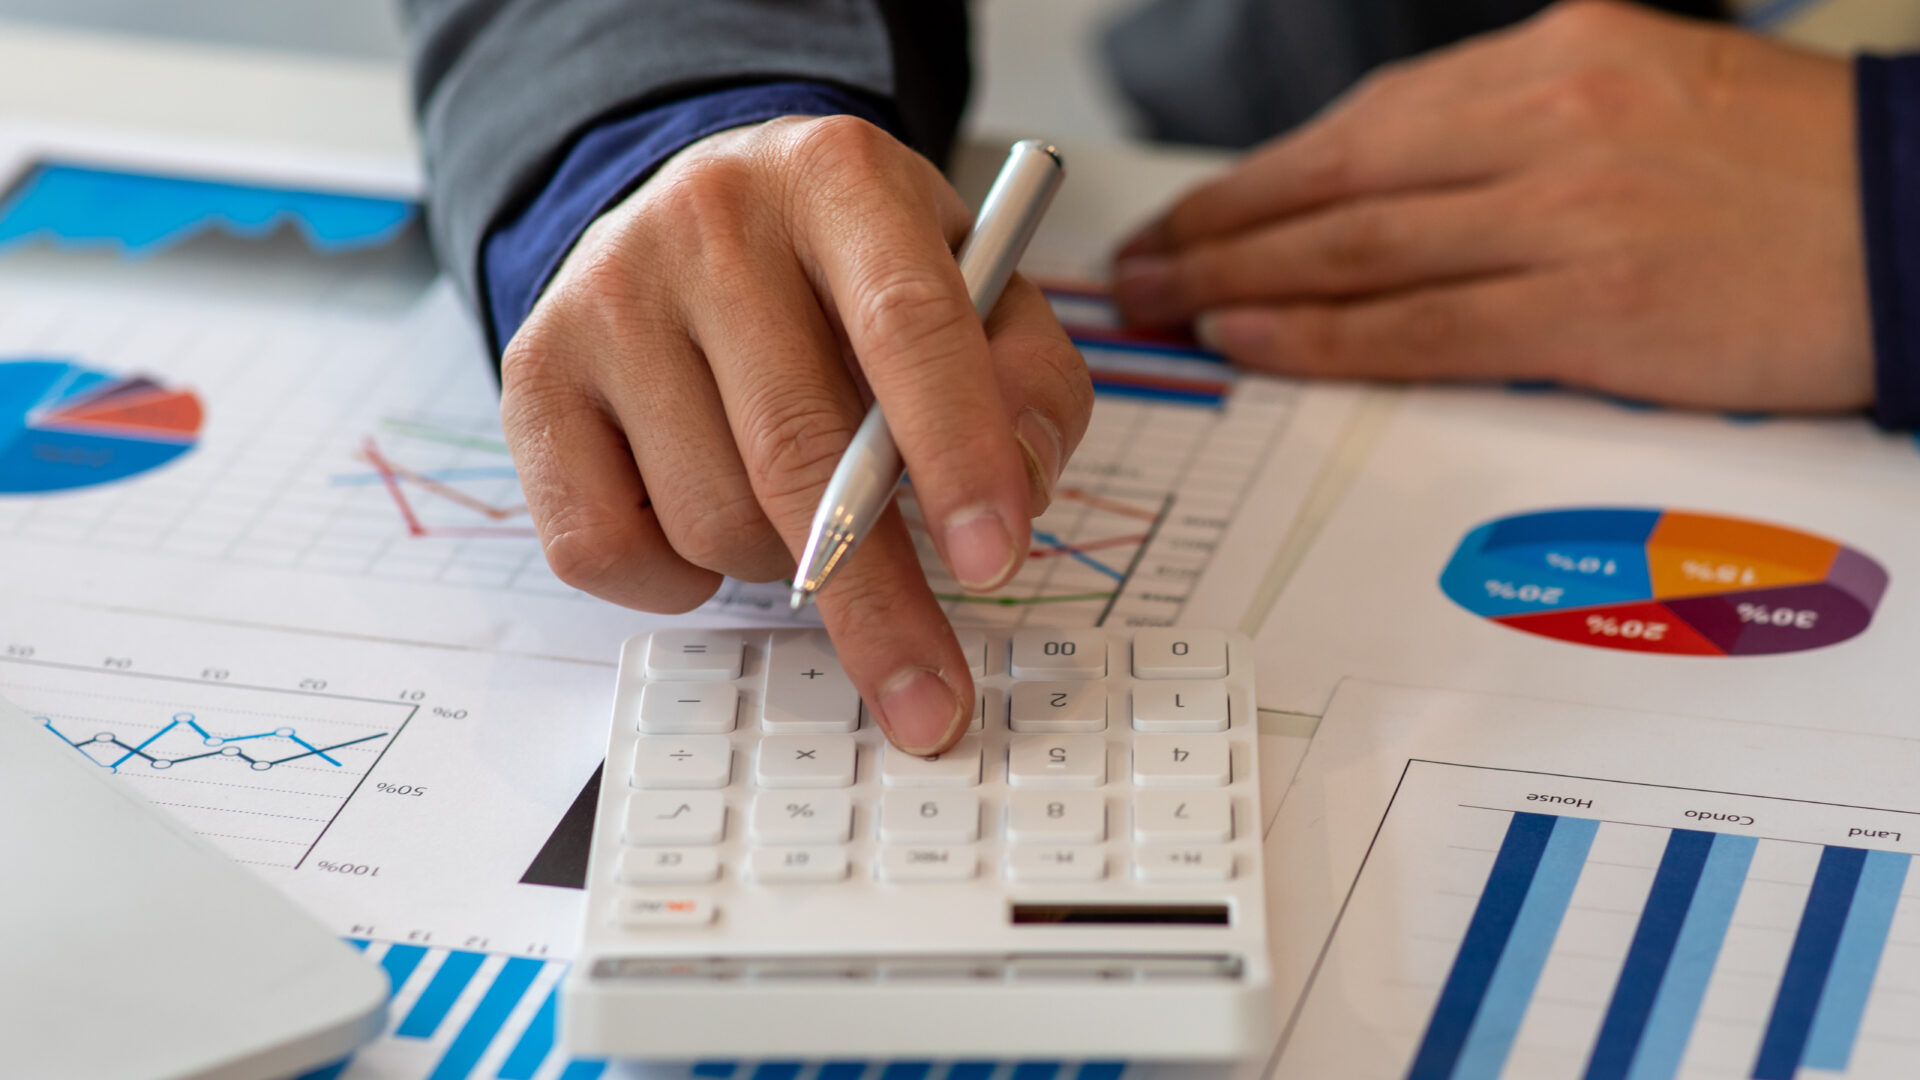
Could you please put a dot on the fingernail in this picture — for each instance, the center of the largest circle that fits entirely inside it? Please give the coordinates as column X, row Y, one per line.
column 1206, row 331
column 979, row 548
column 919, row 710
column 1141, row 285
column 1043, row 451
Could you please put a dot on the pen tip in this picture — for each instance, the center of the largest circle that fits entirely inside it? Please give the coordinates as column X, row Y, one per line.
column 798, row 599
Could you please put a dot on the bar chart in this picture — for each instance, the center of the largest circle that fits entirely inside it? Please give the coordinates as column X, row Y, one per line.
column 1512, row 924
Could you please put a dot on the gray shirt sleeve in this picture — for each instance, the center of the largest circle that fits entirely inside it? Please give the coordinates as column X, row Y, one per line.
column 503, row 87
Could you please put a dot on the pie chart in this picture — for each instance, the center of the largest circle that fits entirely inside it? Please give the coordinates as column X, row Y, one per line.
column 1664, row 581
column 66, row 426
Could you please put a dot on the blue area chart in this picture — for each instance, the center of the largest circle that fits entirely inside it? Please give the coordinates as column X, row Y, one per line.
column 137, row 215
column 65, row 426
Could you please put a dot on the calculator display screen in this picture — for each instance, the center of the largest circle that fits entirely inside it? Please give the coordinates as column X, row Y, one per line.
column 1122, row 914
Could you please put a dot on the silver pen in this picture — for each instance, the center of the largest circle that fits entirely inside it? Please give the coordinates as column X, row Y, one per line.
column 864, row 481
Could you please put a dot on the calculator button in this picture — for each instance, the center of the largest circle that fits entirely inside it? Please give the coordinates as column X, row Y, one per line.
column 1059, row 654
column 1179, row 653
column 790, row 761
column 660, row 911
column 798, row 864
column 688, row 708
column 1182, row 864
column 1180, row 706
column 1056, row 864
column 1058, row 706
column 931, row 817
column 1073, row 761
column 660, row 817
column 926, row 863
column 979, row 709
column 1059, row 817
column 1180, row 761
column 801, row 817
column 973, row 645
column 693, row 654
column 668, row 866
column 806, row 688
column 682, row 761
column 1198, row 817
column 958, row 767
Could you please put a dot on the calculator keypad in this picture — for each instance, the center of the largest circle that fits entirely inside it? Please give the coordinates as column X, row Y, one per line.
column 1095, row 761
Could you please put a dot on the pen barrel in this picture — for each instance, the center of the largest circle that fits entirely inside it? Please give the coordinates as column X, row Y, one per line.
column 1008, row 218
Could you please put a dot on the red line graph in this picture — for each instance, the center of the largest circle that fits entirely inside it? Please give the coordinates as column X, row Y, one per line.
column 391, row 477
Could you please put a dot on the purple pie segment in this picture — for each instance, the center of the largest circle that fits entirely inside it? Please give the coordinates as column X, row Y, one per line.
column 1789, row 619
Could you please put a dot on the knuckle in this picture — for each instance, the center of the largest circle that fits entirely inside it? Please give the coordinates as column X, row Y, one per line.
column 1621, row 286
column 1357, row 240
column 913, row 315
column 585, row 550
column 794, row 446
column 1574, row 22
column 842, row 144
column 723, row 535
column 709, row 201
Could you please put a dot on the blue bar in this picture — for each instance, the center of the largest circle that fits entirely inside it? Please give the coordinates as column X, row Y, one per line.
column 1809, row 963
column 1486, row 938
column 358, row 943
column 1102, row 1070
column 1678, row 1004
column 1645, row 968
column 777, row 1070
column 399, row 964
column 484, row 1024
column 328, row 1072
column 906, row 1070
column 1036, row 1070
column 972, row 1070
column 535, row 1042
column 1484, row 1055
column 583, row 1069
column 715, row 1070
column 1837, row 1020
column 431, row 1008
column 842, row 1070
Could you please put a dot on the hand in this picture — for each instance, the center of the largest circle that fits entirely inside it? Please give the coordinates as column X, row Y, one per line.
column 680, row 395
column 1602, row 197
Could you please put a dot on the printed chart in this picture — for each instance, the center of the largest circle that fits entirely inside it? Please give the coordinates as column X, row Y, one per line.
column 65, row 426
column 1566, row 927
column 1665, row 581
column 261, row 772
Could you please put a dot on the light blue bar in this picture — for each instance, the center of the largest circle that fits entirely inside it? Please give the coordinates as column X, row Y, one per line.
column 484, row 1023
column 1677, row 1004
column 441, row 992
column 1837, row 1019
column 583, row 1069
column 1484, row 1055
column 535, row 1043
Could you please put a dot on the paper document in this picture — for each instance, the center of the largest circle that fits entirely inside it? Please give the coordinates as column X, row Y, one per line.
column 1575, row 550
column 1481, row 887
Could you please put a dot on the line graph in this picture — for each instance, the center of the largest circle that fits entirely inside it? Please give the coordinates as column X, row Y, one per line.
column 262, row 772
column 120, row 751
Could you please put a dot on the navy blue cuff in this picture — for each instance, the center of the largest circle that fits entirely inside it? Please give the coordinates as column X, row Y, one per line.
column 612, row 159
column 1887, row 93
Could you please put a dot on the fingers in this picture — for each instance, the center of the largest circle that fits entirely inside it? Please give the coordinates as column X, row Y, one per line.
column 1352, row 248
column 792, row 408
column 1507, row 327
column 585, row 495
column 887, row 265
column 895, row 644
column 1044, row 385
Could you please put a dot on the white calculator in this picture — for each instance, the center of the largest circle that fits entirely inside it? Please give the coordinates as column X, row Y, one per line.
column 1079, row 877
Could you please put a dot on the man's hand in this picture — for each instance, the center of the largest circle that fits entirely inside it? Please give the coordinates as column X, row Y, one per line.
column 680, row 395
column 1603, row 197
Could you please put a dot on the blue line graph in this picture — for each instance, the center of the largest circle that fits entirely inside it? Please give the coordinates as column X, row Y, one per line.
column 1077, row 555
column 213, row 746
